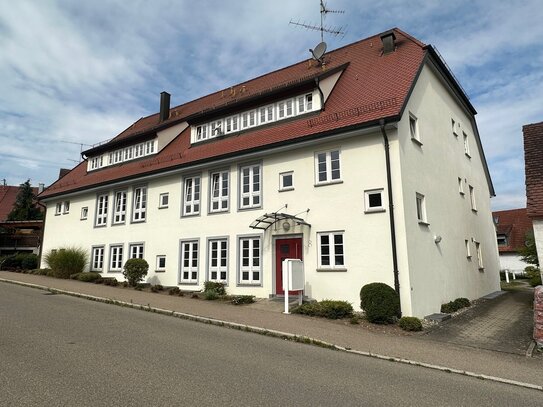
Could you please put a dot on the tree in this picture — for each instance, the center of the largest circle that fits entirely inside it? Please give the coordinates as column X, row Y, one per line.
column 528, row 252
column 25, row 206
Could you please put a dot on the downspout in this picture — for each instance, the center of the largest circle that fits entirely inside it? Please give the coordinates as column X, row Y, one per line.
column 391, row 209
column 42, row 231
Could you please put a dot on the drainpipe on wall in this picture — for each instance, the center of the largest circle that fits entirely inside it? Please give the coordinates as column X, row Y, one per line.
column 391, row 209
column 42, row 232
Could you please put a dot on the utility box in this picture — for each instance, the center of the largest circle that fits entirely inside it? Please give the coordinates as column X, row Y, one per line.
column 293, row 274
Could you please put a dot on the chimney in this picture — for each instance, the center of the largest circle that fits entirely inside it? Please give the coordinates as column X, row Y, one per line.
column 41, row 188
column 164, row 106
column 389, row 41
column 62, row 172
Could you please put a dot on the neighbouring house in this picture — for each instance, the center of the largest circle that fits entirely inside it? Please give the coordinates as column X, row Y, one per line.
column 511, row 228
column 533, row 158
column 17, row 236
column 367, row 164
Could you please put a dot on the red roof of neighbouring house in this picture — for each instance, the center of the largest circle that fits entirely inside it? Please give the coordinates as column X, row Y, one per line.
column 514, row 224
column 8, row 196
column 533, row 158
column 372, row 86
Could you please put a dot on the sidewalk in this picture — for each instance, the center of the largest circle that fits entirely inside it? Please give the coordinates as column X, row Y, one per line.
column 416, row 348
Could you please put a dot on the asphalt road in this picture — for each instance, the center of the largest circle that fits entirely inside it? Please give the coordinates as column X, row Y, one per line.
column 62, row 351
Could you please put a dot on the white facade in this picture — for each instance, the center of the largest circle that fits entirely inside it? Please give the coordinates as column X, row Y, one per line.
column 348, row 214
column 538, row 237
column 512, row 262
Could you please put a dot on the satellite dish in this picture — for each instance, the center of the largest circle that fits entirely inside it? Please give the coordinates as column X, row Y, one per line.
column 319, row 51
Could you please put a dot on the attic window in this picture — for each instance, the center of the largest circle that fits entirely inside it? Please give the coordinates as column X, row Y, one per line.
column 122, row 155
column 502, row 240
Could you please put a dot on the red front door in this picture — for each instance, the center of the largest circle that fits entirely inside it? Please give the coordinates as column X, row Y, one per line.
column 285, row 249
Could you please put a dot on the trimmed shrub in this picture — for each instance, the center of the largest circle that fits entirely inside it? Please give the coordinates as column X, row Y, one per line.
column 65, row 262
column 462, row 302
column 29, row 262
column 89, row 277
column 327, row 309
column 218, row 288
column 112, row 281
column 174, row 291
column 211, row 295
column 135, row 270
column 24, row 261
column 380, row 303
column 534, row 276
column 157, row 288
column 410, row 324
column 455, row 305
column 242, row 299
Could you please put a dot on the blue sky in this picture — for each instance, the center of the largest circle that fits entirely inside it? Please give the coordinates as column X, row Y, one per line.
column 81, row 72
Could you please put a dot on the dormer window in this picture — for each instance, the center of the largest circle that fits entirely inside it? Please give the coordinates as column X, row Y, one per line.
column 305, row 103
column 201, row 132
column 123, row 154
column 216, row 128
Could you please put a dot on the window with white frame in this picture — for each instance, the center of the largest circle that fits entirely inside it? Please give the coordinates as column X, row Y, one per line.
column 330, row 250
column 201, row 132
column 191, row 196
column 216, row 128
column 250, row 183
column 66, row 207
column 479, row 252
column 128, row 153
column 421, row 208
column 84, row 212
column 189, row 262
column 250, row 271
column 135, row 250
column 454, row 125
column 373, row 200
column 97, row 258
column 219, row 191
column 252, row 118
column 101, row 210
column 305, row 103
column 472, row 199
column 502, row 239
column 58, row 208
column 414, row 129
column 161, row 263
column 286, row 181
column 468, row 249
column 138, row 150
column 218, row 260
column 466, row 145
column 149, row 147
column 266, row 114
column 231, row 124
column 163, row 200
column 115, row 258
column 327, row 167
column 140, row 204
column 119, row 207
column 117, row 156
column 460, row 186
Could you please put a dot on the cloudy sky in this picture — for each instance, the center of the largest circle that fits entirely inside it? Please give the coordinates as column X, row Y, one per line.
column 74, row 73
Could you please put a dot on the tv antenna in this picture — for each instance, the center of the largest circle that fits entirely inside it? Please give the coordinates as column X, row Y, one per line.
column 322, row 28
column 80, row 148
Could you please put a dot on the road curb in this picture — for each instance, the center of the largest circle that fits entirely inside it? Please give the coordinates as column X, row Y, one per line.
column 273, row 333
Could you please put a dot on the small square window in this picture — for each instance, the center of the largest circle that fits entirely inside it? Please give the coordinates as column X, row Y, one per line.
column 163, row 200
column 84, row 212
column 286, row 181
column 373, row 200
column 161, row 263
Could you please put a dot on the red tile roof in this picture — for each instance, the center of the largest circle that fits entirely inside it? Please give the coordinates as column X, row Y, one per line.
column 533, row 158
column 8, row 195
column 514, row 223
column 373, row 86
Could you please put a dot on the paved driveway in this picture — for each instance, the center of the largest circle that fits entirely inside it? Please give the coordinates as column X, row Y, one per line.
column 502, row 324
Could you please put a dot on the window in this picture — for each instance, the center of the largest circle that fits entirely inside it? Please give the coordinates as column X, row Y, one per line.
column 189, row 262
column 290, row 108
column 305, row 103
column 191, row 196
column 244, row 120
column 97, row 258
column 250, row 183
column 454, row 126
column 163, row 200
column 149, row 147
column 421, row 209
column 116, row 258
column 117, row 156
column 472, row 199
column 479, row 252
column 502, row 240
column 140, row 204
column 84, row 212
column 135, row 251
column 460, row 186
column 219, row 192
column 201, row 132
column 58, row 209
column 373, row 200
column 161, row 263
column 249, row 260
column 330, row 248
column 286, row 181
column 218, row 260
column 119, row 209
column 414, row 129
column 216, row 128
column 466, row 145
column 266, row 114
column 138, row 150
column 128, row 153
column 231, row 124
column 66, row 207
column 281, row 110
column 101, row 210
column 327, row 167
column 468, row 249
column 252, row 118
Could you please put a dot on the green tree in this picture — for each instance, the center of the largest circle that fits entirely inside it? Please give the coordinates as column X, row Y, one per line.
column 528, row 252
column 25, row 205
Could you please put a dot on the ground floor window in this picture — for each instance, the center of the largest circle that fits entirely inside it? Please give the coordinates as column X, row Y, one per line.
column 116, row 258
column 330, row 250
column 250, row 269
column 97, row 258
column 218, row 260
column 189, row 262
column 161, row 263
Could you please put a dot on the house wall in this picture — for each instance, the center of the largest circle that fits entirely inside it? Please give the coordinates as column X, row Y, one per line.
column 440, row 272
column 334, row 207
column 512, row 262
column 538, row 237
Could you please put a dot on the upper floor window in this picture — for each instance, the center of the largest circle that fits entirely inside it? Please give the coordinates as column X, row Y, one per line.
column 472, row 198
column 119, row 208
column 84, row 212
column 163, row 200
column 286, row 181
column 122, row 155
column 101, row 210
column 231, row 124
column 455, row 127
column 191, row 196
column 421, row 208
column 216, row 128
column 502, row 240
column 460, row 186
column 414, row 129
column 479, row 253
column 373, row 200
column 250, row 183
column 266, row 114
column 149, row 147
column 140, row 204
column 305, row 103
column 327, row 167
column 58, row 208
column 66, row 207
column 201, row 132
column 219, row 191
column 466, row 145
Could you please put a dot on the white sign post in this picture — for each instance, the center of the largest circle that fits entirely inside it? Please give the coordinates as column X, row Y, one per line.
column 293, row 279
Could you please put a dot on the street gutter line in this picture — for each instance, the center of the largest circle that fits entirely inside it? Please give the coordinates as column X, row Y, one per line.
column 274, row 333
